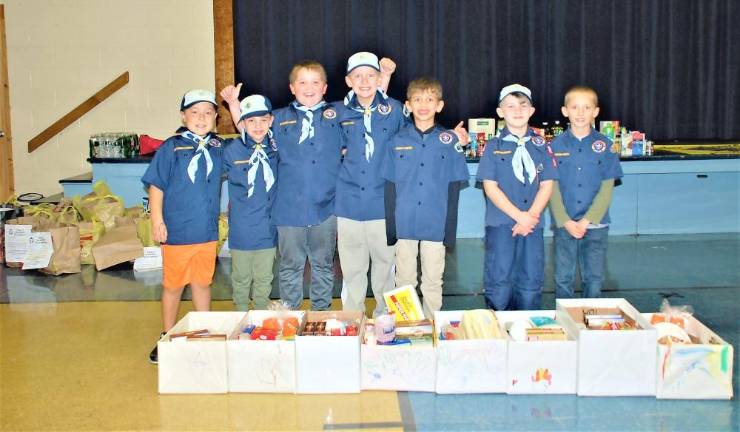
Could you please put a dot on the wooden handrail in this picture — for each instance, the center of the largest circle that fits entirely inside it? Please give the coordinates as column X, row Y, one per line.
column 78, row 112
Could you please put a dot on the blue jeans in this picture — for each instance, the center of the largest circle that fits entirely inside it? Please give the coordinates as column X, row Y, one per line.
column 295, row 244
column 514, row 269
column 590, row 254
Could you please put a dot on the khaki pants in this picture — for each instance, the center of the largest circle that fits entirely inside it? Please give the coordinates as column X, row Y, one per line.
column 359, row 243
column 432, row 269
column 252, row 271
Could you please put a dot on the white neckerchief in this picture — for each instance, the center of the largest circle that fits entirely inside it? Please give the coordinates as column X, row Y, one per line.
column 350, row 101
column 202, row 149
column 307, row 123
column 521, row 157
column 258, row 157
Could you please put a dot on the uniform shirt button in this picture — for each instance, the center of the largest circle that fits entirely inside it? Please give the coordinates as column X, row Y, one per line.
column 362, row 188
column 313, row 162
column 525, row 201
column 311, row 142
column 423, row 145
column 419, row 202
column 579, row 168
column 421, row 183
column 579, row 201
column 422, row 164
column 580, row 150
column 579, row 185
column 363, row 171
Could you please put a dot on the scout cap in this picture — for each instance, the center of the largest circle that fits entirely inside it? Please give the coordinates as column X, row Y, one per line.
column 362, row 58
column 515, row 88
column 194, row 96
column 254, row 106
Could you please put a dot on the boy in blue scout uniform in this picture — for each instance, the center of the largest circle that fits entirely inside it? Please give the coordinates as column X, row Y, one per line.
column 517, row 171
column 184, row 183
column 369, row 119
column 588, row 164
column 250, row 163
column 425, row 170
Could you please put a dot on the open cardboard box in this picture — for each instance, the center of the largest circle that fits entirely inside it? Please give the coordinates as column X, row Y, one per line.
column 405, row 367
column 328, row 364
column 611, row 362
column 700, row 370
column 469, row 365
column 539, row 367
column 261, row 366
column 196, row 367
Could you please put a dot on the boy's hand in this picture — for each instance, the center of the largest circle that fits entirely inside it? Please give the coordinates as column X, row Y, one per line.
column 462, row 134
column 230, row 93
column 387, row 66
column 527, row 221
column 520, row 230
column 574, row 229
column 159, row 231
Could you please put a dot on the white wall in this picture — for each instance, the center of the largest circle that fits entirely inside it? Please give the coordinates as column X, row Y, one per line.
column 60, row 52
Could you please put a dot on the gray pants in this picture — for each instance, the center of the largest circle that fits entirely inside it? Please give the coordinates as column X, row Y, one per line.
column 295, row 244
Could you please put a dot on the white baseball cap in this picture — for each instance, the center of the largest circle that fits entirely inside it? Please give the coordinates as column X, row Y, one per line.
column 514, row 88
column 254, row 106
column 362, row 58
column 197, row 95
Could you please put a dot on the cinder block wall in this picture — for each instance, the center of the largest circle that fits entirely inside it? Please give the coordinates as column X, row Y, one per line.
column 62, row 52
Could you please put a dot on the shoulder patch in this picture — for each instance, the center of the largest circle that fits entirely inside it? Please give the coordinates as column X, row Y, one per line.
column 385, row 109
column 273, row 144
column 538, row 141
column 330, row 113
column 598, row 146
column 446, row 137
column 214, row 142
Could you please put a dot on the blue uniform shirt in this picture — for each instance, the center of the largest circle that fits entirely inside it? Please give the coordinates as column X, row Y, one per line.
column 583, row 165
column 496, row 165
column 250, row 221
column 360, row 185
column 190, row 208
column 422, row 166
column 308, row 171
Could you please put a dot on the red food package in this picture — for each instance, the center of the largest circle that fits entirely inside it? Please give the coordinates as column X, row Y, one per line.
column 262, row 333
column 148, row 144
column 351, row 330
column 271, row 323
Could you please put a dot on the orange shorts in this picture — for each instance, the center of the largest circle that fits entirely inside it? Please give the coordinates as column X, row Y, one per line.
column 188, row 264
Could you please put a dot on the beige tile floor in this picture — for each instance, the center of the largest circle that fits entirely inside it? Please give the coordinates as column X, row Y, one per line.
column 81, row 366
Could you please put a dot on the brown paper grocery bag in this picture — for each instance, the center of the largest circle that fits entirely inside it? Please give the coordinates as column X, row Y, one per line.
column 90, row 233
column 66, row 257
column 117, row 245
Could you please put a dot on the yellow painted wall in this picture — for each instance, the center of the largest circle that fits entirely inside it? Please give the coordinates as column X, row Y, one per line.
column 60, row 52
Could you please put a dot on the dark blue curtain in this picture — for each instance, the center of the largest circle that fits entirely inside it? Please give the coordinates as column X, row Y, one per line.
column 667, row 67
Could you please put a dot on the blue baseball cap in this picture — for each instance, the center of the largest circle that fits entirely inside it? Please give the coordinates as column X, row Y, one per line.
column 254, row 106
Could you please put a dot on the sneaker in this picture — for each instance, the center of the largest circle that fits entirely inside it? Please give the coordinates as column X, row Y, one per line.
column 154, row 355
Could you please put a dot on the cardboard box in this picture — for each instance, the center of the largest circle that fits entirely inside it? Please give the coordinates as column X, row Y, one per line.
column 405, row 367
column 196, row 367
column 470, row 365
column 329, row 364
column 261, row 366
column 539, row 367
column 700, row 370
column 611, row 362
